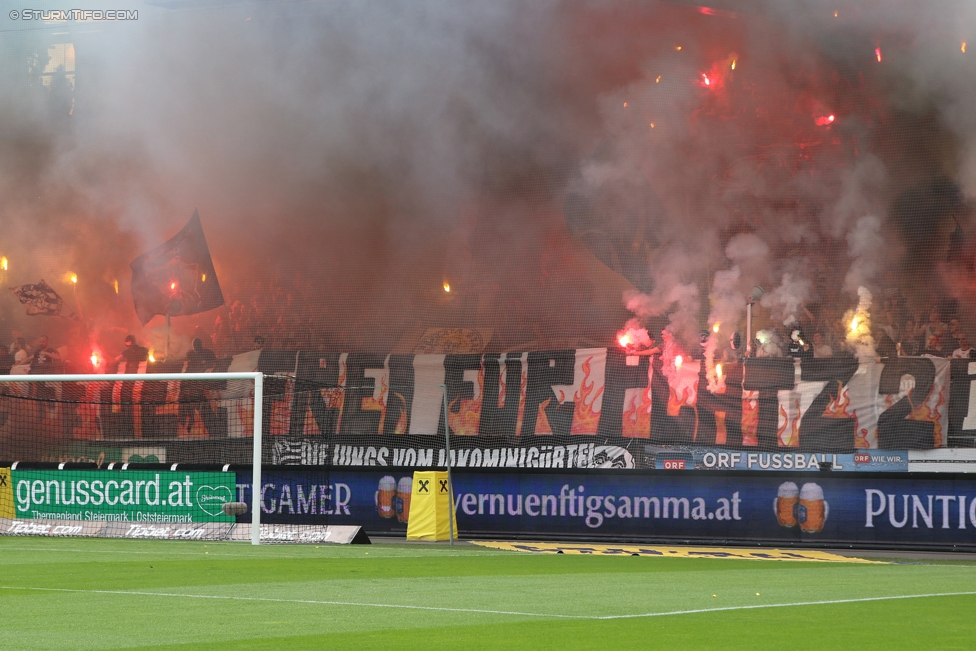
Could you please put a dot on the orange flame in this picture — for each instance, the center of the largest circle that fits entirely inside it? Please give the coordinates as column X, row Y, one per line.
column 401, row 424
column 675, row 403
column 791, row 439
column 378, row 404
column 636, row 419
column 542, row 420
column 585, row 418
column 520, row 417
column 465, row 422
column 837, row 407
column 750, row 417
column 930, row 414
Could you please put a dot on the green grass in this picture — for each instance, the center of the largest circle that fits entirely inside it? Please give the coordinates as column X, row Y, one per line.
column 79, row 594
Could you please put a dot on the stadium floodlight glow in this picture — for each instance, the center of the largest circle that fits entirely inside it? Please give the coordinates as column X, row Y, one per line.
column 256, row 377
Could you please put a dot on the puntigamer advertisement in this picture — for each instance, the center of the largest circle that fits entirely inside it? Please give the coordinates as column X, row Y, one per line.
column 774, row 507
column 128, row 496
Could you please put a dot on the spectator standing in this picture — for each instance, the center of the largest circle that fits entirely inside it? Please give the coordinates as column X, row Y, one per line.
column 965, row 351
column 200, row 359
column 820, row 347
column 133, row 355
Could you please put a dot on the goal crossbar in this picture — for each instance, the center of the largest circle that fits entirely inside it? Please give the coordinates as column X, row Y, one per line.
column 257, row 377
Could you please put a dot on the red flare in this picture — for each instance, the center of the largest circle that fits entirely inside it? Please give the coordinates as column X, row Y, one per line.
column 877, row 53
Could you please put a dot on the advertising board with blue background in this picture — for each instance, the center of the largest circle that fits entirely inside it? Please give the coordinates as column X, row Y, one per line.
column 774, row 507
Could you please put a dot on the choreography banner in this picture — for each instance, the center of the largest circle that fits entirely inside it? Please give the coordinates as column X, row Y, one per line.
column 507, row 410
column 828, row 405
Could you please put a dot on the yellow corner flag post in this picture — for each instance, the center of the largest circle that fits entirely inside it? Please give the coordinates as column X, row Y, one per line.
column 431, row 504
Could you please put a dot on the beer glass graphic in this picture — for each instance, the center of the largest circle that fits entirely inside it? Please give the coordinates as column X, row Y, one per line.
column 384, row 497
column 812, row 511
column 402, row 503
column 787, row 499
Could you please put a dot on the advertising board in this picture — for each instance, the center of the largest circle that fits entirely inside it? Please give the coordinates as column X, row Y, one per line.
column 129, row 496
column 748, row 507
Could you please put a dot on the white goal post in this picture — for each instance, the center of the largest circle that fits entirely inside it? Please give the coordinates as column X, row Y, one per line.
column 256, row 377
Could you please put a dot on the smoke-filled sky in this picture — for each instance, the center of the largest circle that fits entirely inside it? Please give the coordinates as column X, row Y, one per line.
column 349, row 158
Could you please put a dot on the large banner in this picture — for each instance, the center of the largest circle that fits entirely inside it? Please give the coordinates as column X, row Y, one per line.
column 581, row 408
column 130, row 496
column 806, row 508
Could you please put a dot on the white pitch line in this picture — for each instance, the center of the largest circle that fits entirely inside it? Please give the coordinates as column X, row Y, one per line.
column 825, row 602
column 796, row 603
column 297, row 601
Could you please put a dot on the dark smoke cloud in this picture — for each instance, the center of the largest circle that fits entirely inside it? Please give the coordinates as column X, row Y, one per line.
column 349, row 158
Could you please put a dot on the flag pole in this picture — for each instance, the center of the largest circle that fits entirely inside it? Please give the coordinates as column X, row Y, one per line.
column 166, row 352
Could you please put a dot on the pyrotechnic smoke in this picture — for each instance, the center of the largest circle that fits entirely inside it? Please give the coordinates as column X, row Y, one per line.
column 348, row 159
column 859, row 335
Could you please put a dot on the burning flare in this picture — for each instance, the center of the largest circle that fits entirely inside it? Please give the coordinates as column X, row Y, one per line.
column 824, row 120
column 172, row 286
column 3, row 262
column 877, row 53
column 718, row 370
column 715, row 327
column 152, row 357
column 115, row 285
column 73, row 278
column 678, row 361
column 447, row 287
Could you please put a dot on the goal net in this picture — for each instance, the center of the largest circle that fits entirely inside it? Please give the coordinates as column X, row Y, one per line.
column 133, row 455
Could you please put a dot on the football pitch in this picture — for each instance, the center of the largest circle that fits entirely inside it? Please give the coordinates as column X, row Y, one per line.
column 121, row 594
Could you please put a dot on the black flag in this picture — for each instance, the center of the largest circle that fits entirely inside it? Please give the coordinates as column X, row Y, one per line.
column 42, row 299
column 177, row 278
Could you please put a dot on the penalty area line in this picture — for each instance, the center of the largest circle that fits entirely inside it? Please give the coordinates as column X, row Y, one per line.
column 483, row 611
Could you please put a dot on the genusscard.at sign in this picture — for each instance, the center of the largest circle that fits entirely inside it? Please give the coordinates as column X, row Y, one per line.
column 131, row 495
